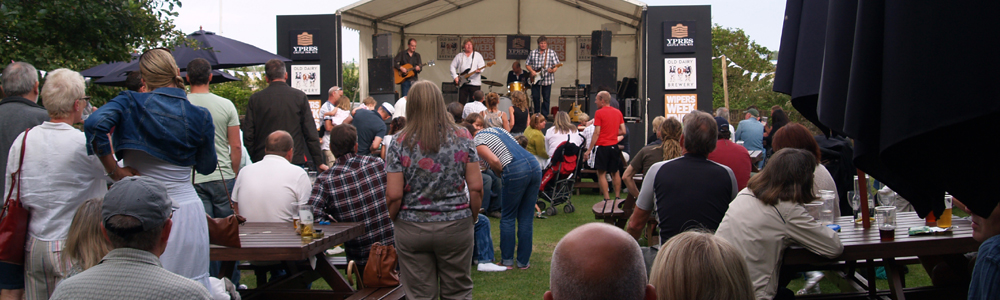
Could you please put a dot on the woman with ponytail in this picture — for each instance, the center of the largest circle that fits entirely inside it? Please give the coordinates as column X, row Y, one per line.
column 161, row 135
column 667, row 147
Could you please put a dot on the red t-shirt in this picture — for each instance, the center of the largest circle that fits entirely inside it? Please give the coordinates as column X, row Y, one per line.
column 610, row 119
column 735, row 157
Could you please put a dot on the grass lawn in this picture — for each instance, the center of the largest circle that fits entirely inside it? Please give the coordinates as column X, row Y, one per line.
column 532, row 283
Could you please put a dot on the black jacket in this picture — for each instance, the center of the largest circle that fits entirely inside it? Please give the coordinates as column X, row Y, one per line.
column 281, row 107
column 16, row 115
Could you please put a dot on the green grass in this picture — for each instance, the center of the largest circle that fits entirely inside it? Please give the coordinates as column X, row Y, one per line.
column 532, row 283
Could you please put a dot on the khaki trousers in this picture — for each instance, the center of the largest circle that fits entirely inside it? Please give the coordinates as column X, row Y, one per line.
column 434, row 258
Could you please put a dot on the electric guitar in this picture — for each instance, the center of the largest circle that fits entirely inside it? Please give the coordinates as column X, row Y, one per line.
column 463, row 78
column 400, row 76
column 538, row 75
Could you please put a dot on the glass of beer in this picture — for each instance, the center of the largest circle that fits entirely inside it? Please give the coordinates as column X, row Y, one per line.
column 306, row 220
column 945, row 220
column 885, row 218
column 827, row 216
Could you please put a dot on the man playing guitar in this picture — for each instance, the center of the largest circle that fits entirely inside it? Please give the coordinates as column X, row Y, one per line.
column 408, row 57
column 542, row 60
column 467, row 61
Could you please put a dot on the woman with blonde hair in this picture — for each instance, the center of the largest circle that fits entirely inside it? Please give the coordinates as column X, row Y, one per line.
column 668, row 134
column 85, row 244
column 653, row 138
column 430, row 164
column 536, row 140
column 562, row 131
column 56, row 177
column 518, row 112
column 492, row 100
column 161, row 135
column 698, row 265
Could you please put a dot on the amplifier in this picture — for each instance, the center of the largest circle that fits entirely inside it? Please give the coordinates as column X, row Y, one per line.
column 573, row 92
column 631, row 107
column 448, row 87
column 566, row 103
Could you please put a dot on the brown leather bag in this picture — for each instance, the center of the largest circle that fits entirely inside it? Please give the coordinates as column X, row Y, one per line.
column 14, row 225
column 225, row 231
column 380, row 270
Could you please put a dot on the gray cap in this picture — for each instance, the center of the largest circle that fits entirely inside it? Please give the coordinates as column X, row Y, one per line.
column 140, row 197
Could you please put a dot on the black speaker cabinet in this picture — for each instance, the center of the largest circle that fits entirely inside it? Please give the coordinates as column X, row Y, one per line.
column 384, row 98
column 449, row 91
column 382, row 45
column 380, row 80
column 604, row 74
column 601, row 40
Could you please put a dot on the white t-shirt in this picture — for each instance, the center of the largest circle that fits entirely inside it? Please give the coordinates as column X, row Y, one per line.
column 400, row 108
column 553, row 139
column 324, row 142
column 271, row 189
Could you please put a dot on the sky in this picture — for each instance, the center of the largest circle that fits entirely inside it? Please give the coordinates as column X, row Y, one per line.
column 253, row 21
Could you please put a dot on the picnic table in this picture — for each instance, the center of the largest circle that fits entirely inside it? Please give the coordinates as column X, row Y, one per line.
column 279, row 242
column 864, row 245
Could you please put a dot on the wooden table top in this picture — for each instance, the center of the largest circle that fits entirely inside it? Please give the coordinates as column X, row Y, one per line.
column 278, row 241
column 864, row 244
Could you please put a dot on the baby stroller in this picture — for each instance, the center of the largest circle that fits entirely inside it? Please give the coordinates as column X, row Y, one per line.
column 559, row 177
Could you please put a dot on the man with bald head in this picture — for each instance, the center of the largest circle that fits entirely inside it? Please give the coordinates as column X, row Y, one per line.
column 598, row 261
column 271, row 189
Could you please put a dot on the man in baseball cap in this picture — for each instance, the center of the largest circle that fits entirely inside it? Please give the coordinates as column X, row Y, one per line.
column 136, row 217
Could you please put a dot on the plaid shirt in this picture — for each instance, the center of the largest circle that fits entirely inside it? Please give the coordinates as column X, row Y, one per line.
column 353, row 190
column 536, row 59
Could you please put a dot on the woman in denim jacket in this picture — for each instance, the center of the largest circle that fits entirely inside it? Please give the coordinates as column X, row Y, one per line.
column 161, row 135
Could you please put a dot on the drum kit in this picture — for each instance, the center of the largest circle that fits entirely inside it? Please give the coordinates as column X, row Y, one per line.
column 513, row 86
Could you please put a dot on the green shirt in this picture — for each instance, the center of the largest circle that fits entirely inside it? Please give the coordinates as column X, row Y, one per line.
column 223, row 115
column 536, row 142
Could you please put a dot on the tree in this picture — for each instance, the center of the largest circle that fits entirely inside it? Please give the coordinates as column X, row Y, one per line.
column 77, row 34
column 351, row 80
column 750, row 73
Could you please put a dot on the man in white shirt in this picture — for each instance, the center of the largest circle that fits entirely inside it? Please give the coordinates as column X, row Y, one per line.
column 271, row 189
column 474, row 107
column 400, row 108
column 470, row 61
column 326, row 113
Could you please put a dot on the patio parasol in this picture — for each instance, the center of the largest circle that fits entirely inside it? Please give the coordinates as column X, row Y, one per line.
column 913, row 85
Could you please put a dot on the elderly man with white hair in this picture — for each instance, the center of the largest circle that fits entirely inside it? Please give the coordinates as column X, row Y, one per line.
column 598, row 261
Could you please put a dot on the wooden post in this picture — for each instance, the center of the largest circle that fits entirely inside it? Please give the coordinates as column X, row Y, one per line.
column 725, row 82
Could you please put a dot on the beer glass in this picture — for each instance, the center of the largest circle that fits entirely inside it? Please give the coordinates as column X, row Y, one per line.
column 885, row 218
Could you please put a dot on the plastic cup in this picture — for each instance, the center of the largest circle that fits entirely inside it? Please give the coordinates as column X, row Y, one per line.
column 827, row 216
column 306, row 220
column 885, row 219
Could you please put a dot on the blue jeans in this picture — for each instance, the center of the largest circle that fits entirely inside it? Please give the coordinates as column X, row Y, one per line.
column 543, row 91
column 521, row 179
column 405, row 87
column 493, row 185
column 484, row 243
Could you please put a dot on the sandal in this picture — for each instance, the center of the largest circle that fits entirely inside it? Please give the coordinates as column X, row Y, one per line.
column 525, row 267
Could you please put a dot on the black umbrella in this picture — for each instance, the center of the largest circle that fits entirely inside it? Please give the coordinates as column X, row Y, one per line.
column 913, row 85
column 105, row 69
column 220, row 52
column 218, row 76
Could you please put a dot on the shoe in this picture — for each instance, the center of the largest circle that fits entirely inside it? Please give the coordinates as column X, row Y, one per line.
column 495, row 214
column 242, row 287
column 524, row 267
column 540, row 215
column 490, row 267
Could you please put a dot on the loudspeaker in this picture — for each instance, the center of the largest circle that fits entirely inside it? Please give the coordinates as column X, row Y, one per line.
column 603, row 74
column 601, row 40
column 381, row 45
column 380, row 79
column 449, row 91
column 384, row 98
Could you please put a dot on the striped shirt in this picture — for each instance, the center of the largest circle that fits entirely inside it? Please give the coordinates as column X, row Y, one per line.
column 495, row 144
column 538, row 62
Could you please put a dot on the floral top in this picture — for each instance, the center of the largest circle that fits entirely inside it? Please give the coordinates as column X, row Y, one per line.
column 435, row 182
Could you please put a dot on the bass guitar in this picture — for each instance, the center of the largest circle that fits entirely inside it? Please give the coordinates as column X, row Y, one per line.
column 538, row 75
column 400, row 76
column 463, row 78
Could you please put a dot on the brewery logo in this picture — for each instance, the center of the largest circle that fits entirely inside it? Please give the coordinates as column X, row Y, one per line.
column 305, row 44
column 518, row 46
column 678, row 36
column 680, row 74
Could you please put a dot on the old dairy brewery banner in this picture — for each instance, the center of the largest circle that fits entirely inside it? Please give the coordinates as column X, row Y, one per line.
column 679, row 105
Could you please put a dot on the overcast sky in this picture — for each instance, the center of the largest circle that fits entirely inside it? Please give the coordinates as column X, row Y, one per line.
column 253, row 21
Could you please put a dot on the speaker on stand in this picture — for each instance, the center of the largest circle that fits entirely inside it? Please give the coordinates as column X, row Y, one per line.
column 380, row 77
column 382, row 45
column 603, row 74
column 601, row 40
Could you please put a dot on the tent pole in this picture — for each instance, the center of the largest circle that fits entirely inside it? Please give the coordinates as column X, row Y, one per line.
column 518, row 16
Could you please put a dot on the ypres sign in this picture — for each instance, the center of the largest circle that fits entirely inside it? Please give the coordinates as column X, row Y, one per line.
column 518, row 46
column 678, row 36
column 305, row 44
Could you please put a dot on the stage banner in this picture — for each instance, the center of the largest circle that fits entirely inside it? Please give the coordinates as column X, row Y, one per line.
column 679, row 74
column 679, row 105
column 558, row 44
column 485, row 45
column 306, row 78
column 518, row 46
column 583, row 45
column 314, row 106
column 448, row 47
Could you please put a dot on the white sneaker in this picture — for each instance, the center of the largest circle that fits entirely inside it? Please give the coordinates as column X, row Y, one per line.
column 491, row 267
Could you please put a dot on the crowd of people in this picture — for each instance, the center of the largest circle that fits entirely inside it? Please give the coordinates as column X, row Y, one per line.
column 424, row 185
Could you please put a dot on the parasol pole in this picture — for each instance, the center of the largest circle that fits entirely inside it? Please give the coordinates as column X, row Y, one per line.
column 725, row 82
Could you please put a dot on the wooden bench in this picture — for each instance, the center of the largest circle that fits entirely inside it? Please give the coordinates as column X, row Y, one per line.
column 580, row 184
column 260, row 272
column 384, row 293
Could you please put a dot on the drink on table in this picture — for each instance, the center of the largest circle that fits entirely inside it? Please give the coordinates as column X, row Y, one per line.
column 826, row 213
column 945, row 220
column 306, row 220
column 885, row 219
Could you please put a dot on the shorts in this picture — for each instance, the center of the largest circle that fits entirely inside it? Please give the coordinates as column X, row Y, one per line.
column 608, row 158
column 11, row 276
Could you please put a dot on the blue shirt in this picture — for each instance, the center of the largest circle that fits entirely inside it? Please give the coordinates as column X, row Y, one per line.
column 751, row 132
column 986, row 275
column 370, row 125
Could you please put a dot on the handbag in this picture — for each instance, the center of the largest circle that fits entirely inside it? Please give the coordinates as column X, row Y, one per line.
column 14, row 225
column 381, row 268
column 225, row 231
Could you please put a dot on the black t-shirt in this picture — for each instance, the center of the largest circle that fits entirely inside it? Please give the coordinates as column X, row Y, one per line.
column 691, row 192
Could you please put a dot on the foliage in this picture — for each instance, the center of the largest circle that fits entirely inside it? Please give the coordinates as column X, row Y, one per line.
column 74, row 34
column 351, row 80
column 239, row 91
column 750, row 80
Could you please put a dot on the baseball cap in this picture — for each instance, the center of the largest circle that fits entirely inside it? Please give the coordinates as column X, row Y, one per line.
column 140, row 197
column 753, row 112
column 388, row 108
column 723, row 124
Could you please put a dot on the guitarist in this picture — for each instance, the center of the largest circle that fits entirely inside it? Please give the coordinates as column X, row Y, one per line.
column 412, row 58
column 542, row 59
column 467, row 61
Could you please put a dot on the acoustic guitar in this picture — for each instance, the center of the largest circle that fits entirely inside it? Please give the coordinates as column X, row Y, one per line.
column 538, row 75
column 464, row 77
column 400, row 76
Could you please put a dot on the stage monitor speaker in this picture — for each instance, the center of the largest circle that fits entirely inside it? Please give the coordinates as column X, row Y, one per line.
column 601, row 40
column 604, row 74
column 382, row 45
column 384, row 98
column 380, row 77
column 449, row 91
